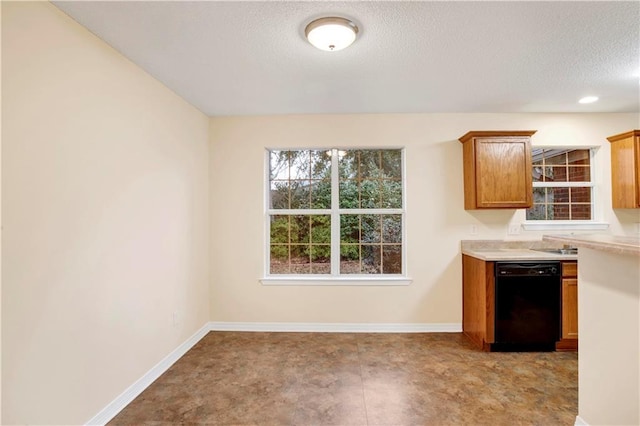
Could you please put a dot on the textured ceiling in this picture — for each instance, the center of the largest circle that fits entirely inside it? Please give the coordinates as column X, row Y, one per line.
column 239, row 58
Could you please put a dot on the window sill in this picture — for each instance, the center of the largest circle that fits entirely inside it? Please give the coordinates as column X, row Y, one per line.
column 564, row 225
column 334, row 281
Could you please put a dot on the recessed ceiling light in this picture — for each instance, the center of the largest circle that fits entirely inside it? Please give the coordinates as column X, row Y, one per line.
column 588, row 100
column 331, row 33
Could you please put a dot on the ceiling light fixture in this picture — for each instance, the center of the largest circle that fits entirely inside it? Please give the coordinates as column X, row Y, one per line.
column 588, row 100
column 331, row 33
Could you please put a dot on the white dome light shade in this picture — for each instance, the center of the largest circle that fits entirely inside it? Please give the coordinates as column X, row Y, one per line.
column 331, row 34
column 588, row 100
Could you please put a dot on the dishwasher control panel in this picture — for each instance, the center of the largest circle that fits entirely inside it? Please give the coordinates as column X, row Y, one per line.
column 505, row 269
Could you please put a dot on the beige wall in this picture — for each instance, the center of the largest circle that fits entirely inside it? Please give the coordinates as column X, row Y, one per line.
column 0, row 217
column 106, row 223
column 609, row 330
column 436, row 220
column 105, row 215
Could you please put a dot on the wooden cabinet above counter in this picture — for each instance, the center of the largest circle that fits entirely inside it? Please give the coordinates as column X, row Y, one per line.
column 497, row 169
column 625, row 170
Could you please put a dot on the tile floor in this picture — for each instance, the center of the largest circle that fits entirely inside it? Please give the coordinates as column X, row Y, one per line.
column 235, row 378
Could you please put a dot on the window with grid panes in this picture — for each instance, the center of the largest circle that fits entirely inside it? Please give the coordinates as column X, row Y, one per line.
column 335, row 212
column 562, row 185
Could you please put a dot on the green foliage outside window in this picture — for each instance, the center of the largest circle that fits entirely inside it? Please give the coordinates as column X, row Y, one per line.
column 367, row 179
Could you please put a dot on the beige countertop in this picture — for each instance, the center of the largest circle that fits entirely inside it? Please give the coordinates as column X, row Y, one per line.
column 507, row 254
column 608, row 243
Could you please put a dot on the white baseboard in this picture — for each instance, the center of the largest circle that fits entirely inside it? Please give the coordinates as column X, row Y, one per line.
column 113, row 408
column 580, row 422
column 337, row 327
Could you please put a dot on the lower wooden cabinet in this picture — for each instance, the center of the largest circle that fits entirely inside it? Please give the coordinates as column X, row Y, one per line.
column 569, row 339
column 478, row 303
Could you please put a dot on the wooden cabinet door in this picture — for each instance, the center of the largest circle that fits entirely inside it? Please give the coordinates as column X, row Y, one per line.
column 503, row 173
column 637, row 166
column 625, row 170
column 569, row 308
column 478, row 299
column 497, row 169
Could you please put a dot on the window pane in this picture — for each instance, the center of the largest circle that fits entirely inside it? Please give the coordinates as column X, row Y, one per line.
column 279, row 229
column 370, row 194
column 300, row 165
column 555, row 174
column 300, row 196
column 537, row 174
column 579, row 174
column 279, row 259
column 369, row 164
column 581, row 195
column 348, row 164
column 349, row 228
column 371, row 259
column 392, row 228
column 300, row 244
column 279, row 165
column 320, row 258
column 391, row 194
column 392, row 163
column 320, row 253
column 552, row 157
column 300, row 261
column 300, row 229
column 539, row 196
column 279, row 194
column 578, row 157
column 371, row 179
column 371, row 232
column 320, row 229
column 290, row 229
column 366, row 244
column 321, row 164
column 580, row 211
column 349, row 259
column 557, row 195
column 291, row 186
column 547, row 174
column 321, row 268
column 321, row 194
column 537, row 212
column 349, row 195
column 392, row 259
column 557, row 211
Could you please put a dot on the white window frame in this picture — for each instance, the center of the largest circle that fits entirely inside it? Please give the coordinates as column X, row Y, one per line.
column 596, row 222
column 334, row 278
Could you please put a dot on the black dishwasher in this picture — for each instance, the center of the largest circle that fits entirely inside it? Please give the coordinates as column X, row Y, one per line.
column 527, row 306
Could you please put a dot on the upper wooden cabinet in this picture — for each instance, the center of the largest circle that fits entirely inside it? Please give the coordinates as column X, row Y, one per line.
column 625, row 170
column 497, row 169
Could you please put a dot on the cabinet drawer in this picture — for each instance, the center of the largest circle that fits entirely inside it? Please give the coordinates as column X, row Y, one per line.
column 569, row 269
